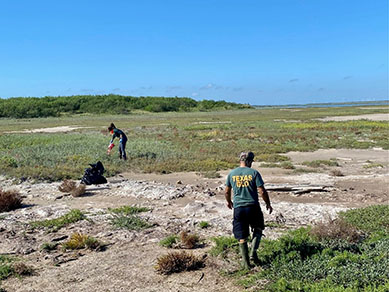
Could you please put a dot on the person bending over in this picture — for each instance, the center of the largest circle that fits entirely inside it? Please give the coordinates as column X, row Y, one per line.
column 117, row 133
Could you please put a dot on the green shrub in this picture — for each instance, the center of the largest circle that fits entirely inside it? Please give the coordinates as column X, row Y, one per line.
column 169, row 241
column 223, row 245
column 329, row 257
column 319, row 163
column 287, row 165
column 6, row 268
column 129, row 222
column 370, row 219
column 72, row 216
column 48, row 246
column 204, row 224
column 128, row 210
column 8, row 161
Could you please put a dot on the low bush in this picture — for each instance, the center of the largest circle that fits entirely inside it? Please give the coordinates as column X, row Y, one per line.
column 21, row 269
column 79, row 241
column 177, row 262
column 336, row 172
column 210, row 174
column 287, row 165
column 337, row 229
column 49, row 246
column 69, row 186
column 189, row 240
column 78, row 191
column 319, row 163
column 10, row 266
column 9, row 200
column 370, row 219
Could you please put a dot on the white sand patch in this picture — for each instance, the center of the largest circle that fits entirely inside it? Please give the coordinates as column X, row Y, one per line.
column 356, row 155
column 201, row 123
column 60, row 129
column 373, row 117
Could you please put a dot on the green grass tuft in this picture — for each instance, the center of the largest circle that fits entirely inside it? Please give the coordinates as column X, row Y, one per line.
column 204, row 224
column 56, row 224
column 129, row 222
column 224, row 245
column 169, row 241
column 128, row 210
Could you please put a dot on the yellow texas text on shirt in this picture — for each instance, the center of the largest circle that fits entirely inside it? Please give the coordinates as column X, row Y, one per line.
column 242, row 180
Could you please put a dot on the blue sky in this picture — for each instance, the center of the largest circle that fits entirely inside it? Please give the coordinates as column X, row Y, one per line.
column 257, row 52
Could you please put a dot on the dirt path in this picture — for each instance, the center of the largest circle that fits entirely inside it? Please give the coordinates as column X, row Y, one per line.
column 177, row 202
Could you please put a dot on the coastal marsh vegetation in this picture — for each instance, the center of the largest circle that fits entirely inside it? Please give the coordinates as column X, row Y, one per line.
column 204, row 142
column 347, row 254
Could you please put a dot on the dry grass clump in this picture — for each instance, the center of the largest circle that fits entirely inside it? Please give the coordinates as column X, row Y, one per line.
column 69, row 186
column 9, row 200
column 22, row 269
column 336, row 229
column 79, row 241
column 177, row 262
column 336, row 172
column 78, row 191
column 189, row 240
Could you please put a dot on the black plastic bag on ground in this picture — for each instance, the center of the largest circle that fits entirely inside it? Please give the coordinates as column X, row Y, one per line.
column 94, row 175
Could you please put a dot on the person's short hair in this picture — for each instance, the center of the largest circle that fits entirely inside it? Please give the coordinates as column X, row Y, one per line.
column 111, row 127
column 246, row 156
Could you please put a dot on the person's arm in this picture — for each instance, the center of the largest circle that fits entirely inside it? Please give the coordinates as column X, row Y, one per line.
column 265, row 197
column 113, row 137
column 228, row 197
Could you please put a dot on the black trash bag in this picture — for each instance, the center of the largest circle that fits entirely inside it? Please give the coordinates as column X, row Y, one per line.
column 94, row 175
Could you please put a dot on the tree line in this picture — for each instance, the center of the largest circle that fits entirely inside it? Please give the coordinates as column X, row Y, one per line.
column 35, row 107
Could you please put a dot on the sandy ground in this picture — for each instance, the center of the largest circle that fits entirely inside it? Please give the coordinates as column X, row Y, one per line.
column 373, row 117
column 61, row 129
column 178, row 201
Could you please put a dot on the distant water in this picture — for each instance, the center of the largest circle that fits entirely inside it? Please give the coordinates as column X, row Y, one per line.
column 311, row 105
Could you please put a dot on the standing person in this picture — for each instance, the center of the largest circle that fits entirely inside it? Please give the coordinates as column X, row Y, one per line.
column 246, row 183
column 122, row 140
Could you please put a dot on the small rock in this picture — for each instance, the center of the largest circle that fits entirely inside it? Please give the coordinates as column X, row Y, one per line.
column 179, row 182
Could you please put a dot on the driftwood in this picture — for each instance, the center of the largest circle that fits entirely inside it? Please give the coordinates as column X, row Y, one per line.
column 296, row 189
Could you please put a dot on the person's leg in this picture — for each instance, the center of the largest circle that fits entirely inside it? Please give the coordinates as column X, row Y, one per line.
column 257, row 235
column 124, row 142
column 120, row 150
column 241, row 232
column 257, row 224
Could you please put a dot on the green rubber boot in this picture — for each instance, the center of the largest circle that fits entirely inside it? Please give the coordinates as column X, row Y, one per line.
column 257, row 235
column 244, row 250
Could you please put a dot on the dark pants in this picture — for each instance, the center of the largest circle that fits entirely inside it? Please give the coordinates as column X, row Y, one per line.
column 122, row 149
column 246, row 217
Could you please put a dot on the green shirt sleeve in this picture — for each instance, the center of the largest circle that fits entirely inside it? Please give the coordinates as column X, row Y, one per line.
column 228, row 181
column 258, row 179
